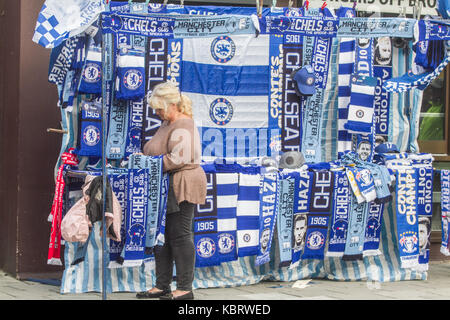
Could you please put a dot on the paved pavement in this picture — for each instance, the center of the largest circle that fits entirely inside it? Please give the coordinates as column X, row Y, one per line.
column 436, row 287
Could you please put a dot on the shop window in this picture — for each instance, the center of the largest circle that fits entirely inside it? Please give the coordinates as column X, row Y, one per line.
column 434, row 117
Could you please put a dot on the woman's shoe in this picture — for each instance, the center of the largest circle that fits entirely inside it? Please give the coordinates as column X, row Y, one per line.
column 149, row 295
column 170, row 296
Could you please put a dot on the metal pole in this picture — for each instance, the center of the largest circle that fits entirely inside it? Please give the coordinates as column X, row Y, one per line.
column 107, row 56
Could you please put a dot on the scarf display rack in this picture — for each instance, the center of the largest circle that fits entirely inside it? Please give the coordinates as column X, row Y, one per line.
column 171, row 28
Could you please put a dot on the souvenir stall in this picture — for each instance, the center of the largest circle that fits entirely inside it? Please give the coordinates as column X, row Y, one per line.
column 312, row 164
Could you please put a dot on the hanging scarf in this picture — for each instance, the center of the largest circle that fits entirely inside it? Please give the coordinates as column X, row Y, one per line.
column 356, row 230
column 407, row 218
column 424, row 190
column 350, row 172
column 302, row 194
column 445, row 210
column 117, row 131
column 340, row 215
column 365, row 183
column 320, row 207
column 382, row 70
column 54, row 250
column 205, row 227
column 156, row 72
column 360, row 110
column 227, row 185
column 291, row 112
column 284, row 220
column 267, row 215
column 347, row 47
column 247, row 214
column 373, row 229
column 91, row 75
column 154, row 165
column 136, row 222
column 312, row 122
column 119, row 185
column 135, row 120
column 130, row 81
column 91, row 129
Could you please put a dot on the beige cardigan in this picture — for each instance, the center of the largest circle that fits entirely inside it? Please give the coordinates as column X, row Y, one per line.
column 179, row 142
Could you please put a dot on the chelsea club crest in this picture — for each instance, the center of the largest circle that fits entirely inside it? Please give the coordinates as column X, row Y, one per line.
column 206, row 247
column 225, row 243
column 221, row 111
column 91, row 73
column 223, row 49
column 315, row 240
column 132, row 79
column 91, row 135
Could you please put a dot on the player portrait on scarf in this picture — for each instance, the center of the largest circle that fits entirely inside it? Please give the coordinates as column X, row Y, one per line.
column 299, row 232
column 178, row 141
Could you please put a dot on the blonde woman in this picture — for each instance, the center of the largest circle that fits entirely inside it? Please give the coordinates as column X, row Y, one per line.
column 178, row 141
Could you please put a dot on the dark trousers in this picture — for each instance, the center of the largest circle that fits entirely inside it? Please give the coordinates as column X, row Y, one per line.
column 179, row 248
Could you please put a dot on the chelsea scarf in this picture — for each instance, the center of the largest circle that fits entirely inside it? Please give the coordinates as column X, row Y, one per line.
column 205, row 227
column 302, row 193
column 248, row 214
column 373, row 229
column 445, row 210
column 130, row 81
column 91, row 129
column 267, row 215
column 117, row 131
column 407, row 218
column 320, row 207
column 136, row 222
column 134, row 128
column 155, row 168
column 340, row 215
column 119, row 185
column 284, row 220
column 227, row 186
column 347, row 47
column 91, row 75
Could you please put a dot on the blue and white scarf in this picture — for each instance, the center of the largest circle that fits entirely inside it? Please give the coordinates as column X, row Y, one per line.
column 247, row 214
column 313, row 111
column 117, row 131
column 91, row 129
column 424, row 190
column 285, row 219
column 302, row 194
column 155, row 168
column 130, row 80
column 119, row 185
column 347, row 48
column 373, row 230
column 61, row 60
column 409, row 80
column 340, row 215
column 356, row 230
column 227, row 186
column 445, row 211
column 382, row 70
column 318, row 218
column 205, row 227
column 268, row 214
column 407, row 218
column 360, row 110
column 91, row 75
column 291, row 113
column 156, row 72
column 134, row 128
column 136, row 222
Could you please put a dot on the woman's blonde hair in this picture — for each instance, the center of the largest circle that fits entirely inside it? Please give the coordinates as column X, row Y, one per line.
column 166, row 93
